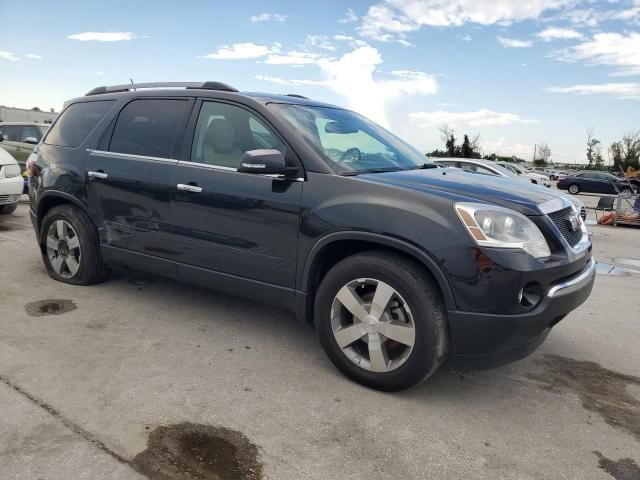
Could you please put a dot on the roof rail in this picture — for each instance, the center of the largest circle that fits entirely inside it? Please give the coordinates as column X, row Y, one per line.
column 133, row 86
column 297, row 96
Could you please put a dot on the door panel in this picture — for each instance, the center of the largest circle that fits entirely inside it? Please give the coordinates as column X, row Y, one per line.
column 234, row 223
column 129, row 182
column 240, row 224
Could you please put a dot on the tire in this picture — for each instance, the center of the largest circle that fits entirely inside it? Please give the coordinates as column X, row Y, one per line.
column 626, row 192
column 8, row 209
column 574, row 189
column 413, row 292
column 87, row 267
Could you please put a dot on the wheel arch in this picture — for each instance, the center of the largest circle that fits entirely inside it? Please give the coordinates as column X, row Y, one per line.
column 54, row 198
column 336, row 246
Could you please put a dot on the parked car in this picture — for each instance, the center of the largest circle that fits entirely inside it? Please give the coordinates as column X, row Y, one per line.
column 596, row 182
column 536, row 178
column 473, row 165
column 10, row 183
column 492, row 168
column 398, row 264
column 19, row 139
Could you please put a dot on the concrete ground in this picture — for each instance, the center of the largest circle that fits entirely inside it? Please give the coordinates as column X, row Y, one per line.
column 81, row 391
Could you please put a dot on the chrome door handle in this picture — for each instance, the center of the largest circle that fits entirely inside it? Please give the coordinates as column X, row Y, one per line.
column 97, row 175
column 189, row 188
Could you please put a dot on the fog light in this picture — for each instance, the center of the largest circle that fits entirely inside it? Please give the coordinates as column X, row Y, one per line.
column 530, row 295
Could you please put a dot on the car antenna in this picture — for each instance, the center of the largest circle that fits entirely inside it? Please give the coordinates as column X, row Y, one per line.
column 131, row 80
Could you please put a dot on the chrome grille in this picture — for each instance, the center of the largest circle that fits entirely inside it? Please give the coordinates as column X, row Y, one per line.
column 561, row 219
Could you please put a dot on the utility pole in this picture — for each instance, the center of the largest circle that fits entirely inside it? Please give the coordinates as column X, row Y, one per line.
column 535, row 146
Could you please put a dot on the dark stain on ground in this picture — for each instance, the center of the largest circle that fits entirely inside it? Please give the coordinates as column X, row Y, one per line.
column 198, row 452
column 623, row 469
column 139, row 281
column 600, row 390
column 49, row 307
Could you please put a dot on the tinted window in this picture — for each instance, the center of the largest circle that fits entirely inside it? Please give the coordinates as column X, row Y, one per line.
column 11, row 133
column 224, row 132
column 76, row 122
column 30, row 131
column 148, row 127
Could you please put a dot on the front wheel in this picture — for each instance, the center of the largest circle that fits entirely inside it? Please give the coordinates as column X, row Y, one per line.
column 381, row 320
column 8, row 209
column 574, row 189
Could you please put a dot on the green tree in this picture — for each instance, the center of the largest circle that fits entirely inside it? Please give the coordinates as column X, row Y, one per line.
column 466, row 151
column 593, row 150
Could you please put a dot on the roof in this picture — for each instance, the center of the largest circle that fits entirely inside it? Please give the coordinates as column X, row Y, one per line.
column 213, row 89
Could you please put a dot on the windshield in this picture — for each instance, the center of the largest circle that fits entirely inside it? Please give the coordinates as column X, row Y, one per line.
column 349, row 142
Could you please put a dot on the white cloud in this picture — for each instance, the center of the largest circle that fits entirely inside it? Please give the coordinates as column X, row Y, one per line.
column 100, row 73
column 33, row 56
column 349, row 17
column 621, row 90
column 621, row 50
column 8, row 56
column 102, row 36
column 293, row 58
column 466, row 38
column 554, row 33
column 392, row 17
column 241, row 51
column 320, row 41
column 514, row 43
column 343, row 38
column 352, row 77
column 479, row 118
column 268, row 17
column 282, row 81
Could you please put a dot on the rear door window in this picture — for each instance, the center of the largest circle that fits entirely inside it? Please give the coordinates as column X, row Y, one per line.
column 77, row 122
column 149, row 127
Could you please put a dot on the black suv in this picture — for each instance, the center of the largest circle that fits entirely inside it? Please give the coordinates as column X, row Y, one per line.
column 399, row 264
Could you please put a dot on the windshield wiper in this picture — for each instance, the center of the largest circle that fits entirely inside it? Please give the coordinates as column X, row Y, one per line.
column 425, row 166
column 372, row 170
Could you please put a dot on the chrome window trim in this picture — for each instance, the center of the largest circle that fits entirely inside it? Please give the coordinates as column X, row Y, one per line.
column 272, row 176
column 131, row 156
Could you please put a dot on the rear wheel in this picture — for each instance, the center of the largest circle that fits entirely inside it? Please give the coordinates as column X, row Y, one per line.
column 626, row 192
column 381, row 320
column 574, row 189
column 7, row 209
column 71, row 248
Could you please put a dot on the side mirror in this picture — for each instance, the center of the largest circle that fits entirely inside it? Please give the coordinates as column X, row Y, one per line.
column 31, row 140
column 264, row 161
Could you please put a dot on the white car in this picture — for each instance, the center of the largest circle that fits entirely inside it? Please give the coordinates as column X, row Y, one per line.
column 11, row 183
column 536, row 178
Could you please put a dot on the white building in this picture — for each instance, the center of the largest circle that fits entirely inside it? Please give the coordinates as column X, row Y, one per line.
column 10, row 114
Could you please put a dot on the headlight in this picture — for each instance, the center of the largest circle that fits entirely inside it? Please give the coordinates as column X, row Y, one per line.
column 493, row 226
column 12, row 170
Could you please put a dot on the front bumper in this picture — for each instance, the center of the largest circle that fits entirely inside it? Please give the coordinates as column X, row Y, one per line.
column 487, row 340
column 10, row 190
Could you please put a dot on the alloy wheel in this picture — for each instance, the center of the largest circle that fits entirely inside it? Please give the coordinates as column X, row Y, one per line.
column 373, row 325
column 573, row 189
column 63, row 249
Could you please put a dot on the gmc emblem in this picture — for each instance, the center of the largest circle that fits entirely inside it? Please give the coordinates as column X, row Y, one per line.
column 574, row 223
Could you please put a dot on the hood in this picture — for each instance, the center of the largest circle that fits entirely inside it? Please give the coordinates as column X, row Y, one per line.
column 525, row 198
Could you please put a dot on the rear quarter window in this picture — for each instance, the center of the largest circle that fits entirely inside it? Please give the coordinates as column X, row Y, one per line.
column 76, row 122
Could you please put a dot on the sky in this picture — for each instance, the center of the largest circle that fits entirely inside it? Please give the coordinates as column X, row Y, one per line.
column 516, row 72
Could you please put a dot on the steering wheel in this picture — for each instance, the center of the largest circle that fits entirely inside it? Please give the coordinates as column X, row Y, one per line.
column 351, row 151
